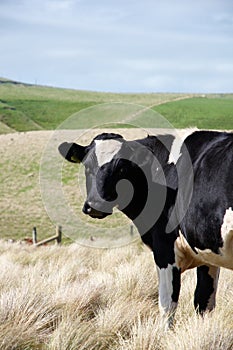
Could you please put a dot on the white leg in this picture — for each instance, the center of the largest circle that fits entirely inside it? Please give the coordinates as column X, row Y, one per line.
column 169, row 287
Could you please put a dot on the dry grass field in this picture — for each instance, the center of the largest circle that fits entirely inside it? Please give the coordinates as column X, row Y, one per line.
column 77, row 298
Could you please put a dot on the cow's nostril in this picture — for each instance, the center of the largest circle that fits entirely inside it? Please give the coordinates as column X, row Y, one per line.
column 94, row 213
column 86, row 208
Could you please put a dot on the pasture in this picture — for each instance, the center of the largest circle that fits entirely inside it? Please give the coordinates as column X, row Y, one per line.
column 26, row 107
column 79, row 296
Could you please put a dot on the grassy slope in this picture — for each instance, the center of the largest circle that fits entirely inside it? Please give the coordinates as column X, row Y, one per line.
column 204, row 113
column 21, row 205
column 73, row 298
column 28, row 107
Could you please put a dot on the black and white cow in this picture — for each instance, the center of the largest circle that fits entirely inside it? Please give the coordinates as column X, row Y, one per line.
column 178, row 205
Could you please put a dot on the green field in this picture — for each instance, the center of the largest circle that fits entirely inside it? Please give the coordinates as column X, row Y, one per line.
column 28, row 107
column 211, row 112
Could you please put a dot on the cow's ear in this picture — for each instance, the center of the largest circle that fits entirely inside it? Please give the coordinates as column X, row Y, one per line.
column 72, row 152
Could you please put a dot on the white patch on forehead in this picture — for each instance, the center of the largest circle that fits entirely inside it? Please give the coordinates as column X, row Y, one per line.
column 105, row 150
column 177, row 144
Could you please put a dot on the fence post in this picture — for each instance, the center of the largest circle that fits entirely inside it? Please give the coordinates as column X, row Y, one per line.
column 34, row 235
column 59, row 234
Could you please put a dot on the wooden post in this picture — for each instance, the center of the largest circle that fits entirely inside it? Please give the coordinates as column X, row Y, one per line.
column 57, row 237
column 34, row 235
column 59, row 234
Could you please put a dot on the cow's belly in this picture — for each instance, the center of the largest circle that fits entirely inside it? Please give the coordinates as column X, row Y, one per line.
column 189, row 255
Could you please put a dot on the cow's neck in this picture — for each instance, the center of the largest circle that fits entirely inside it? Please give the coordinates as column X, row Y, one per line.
column 150, row 205
column 140, row 194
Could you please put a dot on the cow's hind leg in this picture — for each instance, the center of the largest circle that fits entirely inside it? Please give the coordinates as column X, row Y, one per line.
column 206, row 288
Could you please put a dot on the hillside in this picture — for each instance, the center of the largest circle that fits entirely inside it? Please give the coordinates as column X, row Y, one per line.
column 25, row 107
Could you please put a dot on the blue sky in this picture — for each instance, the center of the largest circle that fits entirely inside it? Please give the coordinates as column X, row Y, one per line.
column 119, row 46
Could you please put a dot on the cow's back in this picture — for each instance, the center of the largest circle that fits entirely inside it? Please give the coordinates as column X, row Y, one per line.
column 197, row 142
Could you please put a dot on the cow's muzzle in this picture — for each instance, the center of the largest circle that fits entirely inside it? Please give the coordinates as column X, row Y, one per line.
column 94, row 213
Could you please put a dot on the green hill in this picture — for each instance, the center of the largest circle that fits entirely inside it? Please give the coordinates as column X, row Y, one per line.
column 210, row 112
column 25, row 107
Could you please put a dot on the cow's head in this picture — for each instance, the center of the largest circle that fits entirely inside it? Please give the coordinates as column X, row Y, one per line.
column 113, row 169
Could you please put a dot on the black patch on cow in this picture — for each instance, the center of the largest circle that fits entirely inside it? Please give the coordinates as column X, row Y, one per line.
column 204, row 289
column 197, row 142
column 108, row 136
column 163, row 243
column 175, row 284
column 212, row 192
column 159, row 145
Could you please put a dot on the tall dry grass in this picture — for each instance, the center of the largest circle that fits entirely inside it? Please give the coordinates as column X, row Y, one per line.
column 76, row 298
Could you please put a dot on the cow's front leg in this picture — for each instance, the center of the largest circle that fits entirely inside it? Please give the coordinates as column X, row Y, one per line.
column 205, row 293
column 169, row 289
column 168, row 274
